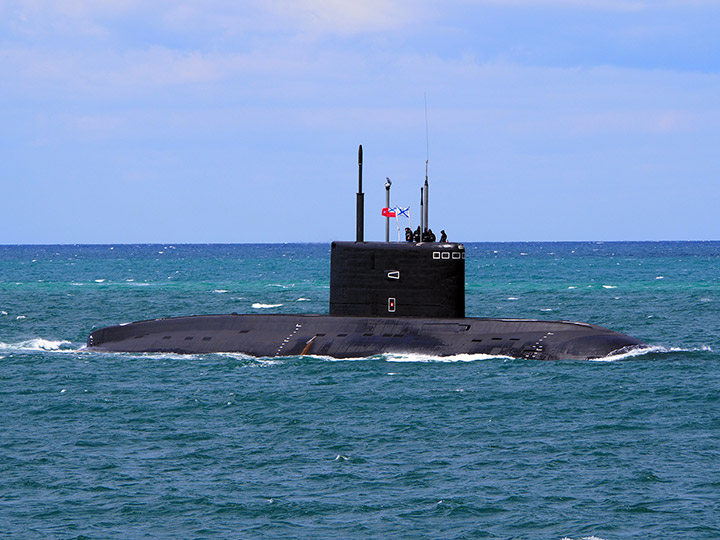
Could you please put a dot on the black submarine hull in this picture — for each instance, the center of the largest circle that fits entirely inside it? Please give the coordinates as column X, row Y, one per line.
column 354, row 337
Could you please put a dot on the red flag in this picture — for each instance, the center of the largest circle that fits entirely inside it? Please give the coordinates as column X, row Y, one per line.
column 388, row 212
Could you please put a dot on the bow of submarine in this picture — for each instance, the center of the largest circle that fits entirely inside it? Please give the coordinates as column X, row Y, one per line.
column 596, row 342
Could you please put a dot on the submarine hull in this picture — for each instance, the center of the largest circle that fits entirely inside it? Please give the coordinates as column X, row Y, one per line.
column 353, row 337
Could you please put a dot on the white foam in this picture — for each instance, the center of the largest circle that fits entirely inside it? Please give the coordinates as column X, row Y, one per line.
column 513, row 298
column 659, row 277
column 20, row 317
column 415, row 357
column 609, row 286
column 303, row 299
column 650, row 350
column 258, row 305
column 99, row 281
column 220, row 291
column 36, row 344
column 238, row 356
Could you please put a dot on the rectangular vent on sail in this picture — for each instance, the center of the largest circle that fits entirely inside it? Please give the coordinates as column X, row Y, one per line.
column 342, row 335
column 243, row 331
column 167, row 337
column 207, row 338
column 189, row 338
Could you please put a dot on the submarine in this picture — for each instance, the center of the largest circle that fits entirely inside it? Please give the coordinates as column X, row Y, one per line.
column 385, row 298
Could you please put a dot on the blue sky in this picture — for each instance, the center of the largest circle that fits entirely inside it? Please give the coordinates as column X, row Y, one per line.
column 129, row 121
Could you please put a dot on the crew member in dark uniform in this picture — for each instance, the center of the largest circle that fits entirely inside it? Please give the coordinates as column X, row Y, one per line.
column 431, row 236
column 408, row 234
column 418, row 235
column 443, row 236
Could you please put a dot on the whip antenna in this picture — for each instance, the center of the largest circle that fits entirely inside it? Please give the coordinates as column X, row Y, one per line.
column 427, row 139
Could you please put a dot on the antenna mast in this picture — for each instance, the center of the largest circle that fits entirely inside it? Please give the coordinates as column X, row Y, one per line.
column 360, row 204
column 427, row 160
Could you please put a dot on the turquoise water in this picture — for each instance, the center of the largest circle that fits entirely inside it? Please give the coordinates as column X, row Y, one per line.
column 225, row 446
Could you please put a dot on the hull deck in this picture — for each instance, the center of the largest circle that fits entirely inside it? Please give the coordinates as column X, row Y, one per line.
column 352, row 337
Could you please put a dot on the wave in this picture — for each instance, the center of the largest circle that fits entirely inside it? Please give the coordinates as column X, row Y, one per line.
column 258, row 305
column 45, row 345
column 402, row 357
column 414, row 357
column 458, row 358
column 651, row 350
column 38, row 344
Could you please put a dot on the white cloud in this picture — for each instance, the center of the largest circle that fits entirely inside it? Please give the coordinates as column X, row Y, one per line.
column 343, row 17
column 600, row 5
column 222, row 17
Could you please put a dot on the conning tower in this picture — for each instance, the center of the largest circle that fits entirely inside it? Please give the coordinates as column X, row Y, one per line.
column 389, row 279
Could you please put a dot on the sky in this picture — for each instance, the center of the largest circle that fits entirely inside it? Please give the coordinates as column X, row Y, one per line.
column 225, row 121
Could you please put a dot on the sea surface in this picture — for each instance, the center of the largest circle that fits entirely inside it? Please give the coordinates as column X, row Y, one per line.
column 125, row 446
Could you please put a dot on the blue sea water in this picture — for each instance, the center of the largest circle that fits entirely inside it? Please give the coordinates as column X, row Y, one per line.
column 225, row 446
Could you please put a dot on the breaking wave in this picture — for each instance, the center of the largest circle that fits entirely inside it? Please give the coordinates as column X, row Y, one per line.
column 401, row 357
column 38, row 344
column 413, row 357
column 635, row 353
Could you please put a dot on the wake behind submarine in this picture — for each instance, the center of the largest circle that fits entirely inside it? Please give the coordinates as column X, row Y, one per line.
column 384, row 298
